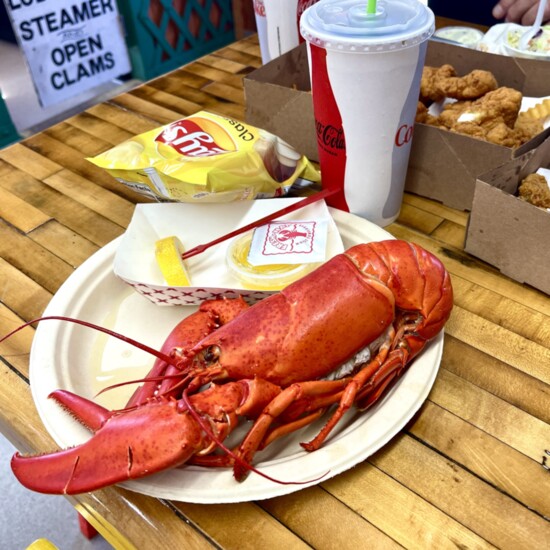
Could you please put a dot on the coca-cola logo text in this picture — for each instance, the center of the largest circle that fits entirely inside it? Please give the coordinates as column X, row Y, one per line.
column 330, row 136
column 403, row 135
column 259, row 7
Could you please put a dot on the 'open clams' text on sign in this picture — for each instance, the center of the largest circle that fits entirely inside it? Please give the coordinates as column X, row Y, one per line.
column 70, row 46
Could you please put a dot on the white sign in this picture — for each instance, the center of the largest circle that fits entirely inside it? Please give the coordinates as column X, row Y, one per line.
column 70, row 45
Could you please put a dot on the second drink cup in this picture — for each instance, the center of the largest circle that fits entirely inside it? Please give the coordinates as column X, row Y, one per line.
column 366, row 61
column 277, row 22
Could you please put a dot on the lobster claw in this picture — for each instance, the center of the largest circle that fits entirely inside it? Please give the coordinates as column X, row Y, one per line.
column 88, row 413
column 128, row 445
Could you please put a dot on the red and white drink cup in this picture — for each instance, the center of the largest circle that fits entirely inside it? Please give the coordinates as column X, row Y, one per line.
column 365, row 73
column 277, row 22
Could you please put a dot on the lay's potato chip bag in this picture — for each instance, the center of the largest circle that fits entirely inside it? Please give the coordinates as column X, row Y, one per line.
column 206, row 158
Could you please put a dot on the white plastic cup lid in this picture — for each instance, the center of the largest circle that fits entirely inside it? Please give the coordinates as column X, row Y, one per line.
column 346, row 25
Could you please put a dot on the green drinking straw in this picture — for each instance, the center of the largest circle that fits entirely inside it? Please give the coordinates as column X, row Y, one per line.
column 371, row 7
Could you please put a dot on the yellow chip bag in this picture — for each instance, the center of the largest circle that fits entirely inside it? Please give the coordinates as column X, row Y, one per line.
column 207, row 158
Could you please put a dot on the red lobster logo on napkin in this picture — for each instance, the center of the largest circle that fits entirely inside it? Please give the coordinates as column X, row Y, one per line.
column 284, row 237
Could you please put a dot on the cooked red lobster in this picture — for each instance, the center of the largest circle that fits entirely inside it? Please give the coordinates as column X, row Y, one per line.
column 340, row 336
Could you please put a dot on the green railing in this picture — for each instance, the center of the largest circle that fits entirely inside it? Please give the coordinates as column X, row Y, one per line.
column 164, row 34
column 8, row 133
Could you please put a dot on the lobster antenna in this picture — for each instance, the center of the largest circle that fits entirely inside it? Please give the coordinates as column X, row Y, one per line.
column 159, row 378
column 127, row 339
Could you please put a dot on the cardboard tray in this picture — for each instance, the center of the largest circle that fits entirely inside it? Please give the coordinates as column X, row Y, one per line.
column 135, row 262
column 506, row 231
column 442, row 165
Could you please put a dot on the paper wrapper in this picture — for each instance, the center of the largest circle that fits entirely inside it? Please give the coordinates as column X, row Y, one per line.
column 196, row 224
column 207, row 158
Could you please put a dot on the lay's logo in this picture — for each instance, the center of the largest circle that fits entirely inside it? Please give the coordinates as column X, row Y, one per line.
column 197, row 138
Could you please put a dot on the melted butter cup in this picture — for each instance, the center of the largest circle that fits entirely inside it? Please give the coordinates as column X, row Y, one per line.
column 262, row 277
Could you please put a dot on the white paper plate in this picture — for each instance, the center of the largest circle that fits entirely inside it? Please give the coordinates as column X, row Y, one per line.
column 71, row 357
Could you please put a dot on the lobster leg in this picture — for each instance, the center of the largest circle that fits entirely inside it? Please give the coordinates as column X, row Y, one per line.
column 370, row 383
column 389, row 374
column 375, row 376
column 377, row 372
column 261, row 434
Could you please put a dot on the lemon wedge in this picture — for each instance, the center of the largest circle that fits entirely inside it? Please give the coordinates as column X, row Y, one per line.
column 168, row 253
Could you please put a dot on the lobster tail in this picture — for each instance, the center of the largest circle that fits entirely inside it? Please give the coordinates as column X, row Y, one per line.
column 418, row 280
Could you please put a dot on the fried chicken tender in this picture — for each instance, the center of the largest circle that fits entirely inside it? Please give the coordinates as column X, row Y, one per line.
column 527, row 128
column 534, row 189
column 482, row 110
column 439, row 83
column 432, row 77
column 451, row 113
column 471, row 86
column 422, row 114
column 502, row 103
column 494, row 117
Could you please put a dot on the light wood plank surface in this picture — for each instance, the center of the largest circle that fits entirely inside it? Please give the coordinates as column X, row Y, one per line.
column 465, row 472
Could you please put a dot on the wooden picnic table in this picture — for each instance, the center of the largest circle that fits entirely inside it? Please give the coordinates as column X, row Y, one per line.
column 467, row 471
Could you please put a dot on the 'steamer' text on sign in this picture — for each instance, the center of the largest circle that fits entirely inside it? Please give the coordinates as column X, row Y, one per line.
column 70, row 46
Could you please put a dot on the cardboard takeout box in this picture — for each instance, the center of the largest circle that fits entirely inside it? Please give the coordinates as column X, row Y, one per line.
column 196, row 224
column 506, row 231
column 443, row 165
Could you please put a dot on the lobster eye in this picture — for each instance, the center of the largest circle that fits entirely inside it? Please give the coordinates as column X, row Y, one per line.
column 212, row 354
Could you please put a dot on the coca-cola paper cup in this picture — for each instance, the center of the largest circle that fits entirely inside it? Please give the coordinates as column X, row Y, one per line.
column 365, row 73
column 277, row 22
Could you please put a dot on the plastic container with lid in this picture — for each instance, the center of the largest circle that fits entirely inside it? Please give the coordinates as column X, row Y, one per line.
column 262, row 277
column 463, row 36
column 538, row 47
